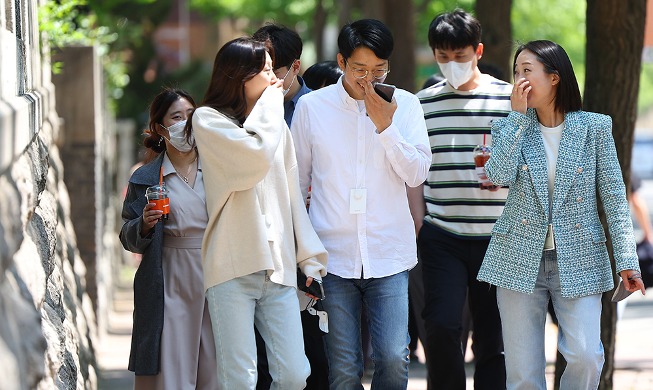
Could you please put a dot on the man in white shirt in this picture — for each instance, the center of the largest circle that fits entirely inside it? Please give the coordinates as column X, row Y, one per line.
column 358, row 153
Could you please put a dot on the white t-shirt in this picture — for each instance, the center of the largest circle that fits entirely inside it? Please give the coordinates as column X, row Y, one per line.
column 551, row 137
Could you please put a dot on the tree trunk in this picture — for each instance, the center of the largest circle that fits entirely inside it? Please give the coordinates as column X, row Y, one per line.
column 494, row 16
column 344, row 12
column 400, row 19
column 615, row 39
column 375, row 9
column 319, row 23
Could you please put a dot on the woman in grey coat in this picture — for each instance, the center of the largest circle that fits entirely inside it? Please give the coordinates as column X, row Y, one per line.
column 172, row 339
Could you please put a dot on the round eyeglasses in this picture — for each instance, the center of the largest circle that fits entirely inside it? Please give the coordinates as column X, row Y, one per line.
column 362, row 73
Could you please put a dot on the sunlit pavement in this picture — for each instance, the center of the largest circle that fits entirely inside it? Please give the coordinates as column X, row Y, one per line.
column 634, row 349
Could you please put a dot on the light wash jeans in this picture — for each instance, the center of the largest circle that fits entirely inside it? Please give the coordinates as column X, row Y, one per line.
column 523, row 318
column 239, row 304
column 386, row 302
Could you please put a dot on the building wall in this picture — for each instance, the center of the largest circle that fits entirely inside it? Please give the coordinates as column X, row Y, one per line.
column 47, row 325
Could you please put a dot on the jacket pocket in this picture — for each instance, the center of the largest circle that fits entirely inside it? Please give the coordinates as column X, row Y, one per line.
column 501, row 228
column 598, row 235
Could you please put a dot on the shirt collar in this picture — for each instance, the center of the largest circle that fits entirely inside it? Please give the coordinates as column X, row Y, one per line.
column 167, row 166
column 302, row 91
column 346, row 99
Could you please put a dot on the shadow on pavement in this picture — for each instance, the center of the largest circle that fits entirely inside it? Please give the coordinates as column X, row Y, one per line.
column 115, row 380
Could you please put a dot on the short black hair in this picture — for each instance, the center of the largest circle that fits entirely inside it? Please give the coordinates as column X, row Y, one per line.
column 322, row 74
column 370, row 33
column 454, row 30
column 556, row 61
column 286, row 43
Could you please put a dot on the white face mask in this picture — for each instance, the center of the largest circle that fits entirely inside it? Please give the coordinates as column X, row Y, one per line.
column 286, row 90
column 177, row 137
column 457, row 73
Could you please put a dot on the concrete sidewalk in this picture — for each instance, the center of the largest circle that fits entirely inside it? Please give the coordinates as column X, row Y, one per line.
column 113, row 352
column 634, row 349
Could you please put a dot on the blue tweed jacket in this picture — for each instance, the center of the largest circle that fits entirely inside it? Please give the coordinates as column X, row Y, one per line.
column 587, row 164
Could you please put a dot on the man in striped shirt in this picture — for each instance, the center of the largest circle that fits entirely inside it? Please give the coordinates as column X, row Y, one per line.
column 458, row 215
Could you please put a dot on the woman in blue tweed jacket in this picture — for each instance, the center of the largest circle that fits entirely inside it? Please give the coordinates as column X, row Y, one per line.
column 549, row 243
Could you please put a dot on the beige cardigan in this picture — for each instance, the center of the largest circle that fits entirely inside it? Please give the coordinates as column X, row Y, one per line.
column 257, row 217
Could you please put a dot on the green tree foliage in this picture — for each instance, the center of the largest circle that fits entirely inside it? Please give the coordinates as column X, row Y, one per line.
column 427, row 10
column 645, row 100
column 134, row 21
column 282, row 11
column 565, row 26
column 122, row 30
column 115, row 27
column 69, row 22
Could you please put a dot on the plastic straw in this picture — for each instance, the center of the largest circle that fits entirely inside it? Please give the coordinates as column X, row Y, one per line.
column 161, row 180
column 484, row 139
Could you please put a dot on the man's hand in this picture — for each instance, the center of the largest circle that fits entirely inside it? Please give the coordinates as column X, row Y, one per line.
column 379, row 111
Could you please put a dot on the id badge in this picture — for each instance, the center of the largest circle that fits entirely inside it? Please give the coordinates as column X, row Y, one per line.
column 549, row 242
column 358, row 201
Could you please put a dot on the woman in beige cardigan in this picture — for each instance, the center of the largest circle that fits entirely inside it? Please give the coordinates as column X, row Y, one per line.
column 258, row 231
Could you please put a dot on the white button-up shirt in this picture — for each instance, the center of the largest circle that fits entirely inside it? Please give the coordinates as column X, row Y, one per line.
column 338, row 150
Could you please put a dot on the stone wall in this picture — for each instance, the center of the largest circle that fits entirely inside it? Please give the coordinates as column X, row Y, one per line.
column 47, row 323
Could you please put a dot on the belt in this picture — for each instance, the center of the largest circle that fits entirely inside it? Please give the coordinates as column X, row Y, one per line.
column 182, row 242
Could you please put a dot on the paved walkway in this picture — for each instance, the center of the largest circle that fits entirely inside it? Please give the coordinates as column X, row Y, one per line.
column 634, row 350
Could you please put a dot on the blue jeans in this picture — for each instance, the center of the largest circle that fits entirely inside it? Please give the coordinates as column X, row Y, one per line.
column 579, row 333
column 239, row 304
column 386, row 302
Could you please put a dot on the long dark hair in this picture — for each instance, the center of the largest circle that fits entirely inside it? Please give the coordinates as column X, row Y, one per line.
column 158, row 108
column 556, row 61
column 237, row 61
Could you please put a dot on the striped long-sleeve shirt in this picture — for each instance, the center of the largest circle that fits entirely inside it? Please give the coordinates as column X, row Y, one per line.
column 457, row 122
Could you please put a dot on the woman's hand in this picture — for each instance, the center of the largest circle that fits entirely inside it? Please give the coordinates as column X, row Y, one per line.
column 309, row 280
column 150, row 218
column 632, row 281
column 519, row 96
column 277, row 84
